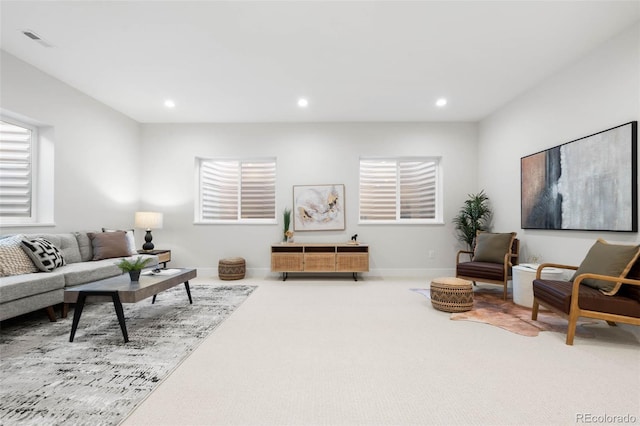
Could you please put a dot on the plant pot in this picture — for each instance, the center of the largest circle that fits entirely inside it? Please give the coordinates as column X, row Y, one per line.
column 134, row 275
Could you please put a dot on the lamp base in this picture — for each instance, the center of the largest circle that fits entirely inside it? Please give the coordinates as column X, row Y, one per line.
column 148, row 245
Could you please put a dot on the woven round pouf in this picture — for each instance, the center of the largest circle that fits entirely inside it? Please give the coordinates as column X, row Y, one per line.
column 451, row 294
column 231, row 268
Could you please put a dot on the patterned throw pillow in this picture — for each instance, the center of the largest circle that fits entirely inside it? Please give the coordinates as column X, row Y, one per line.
column 44, row 255
column 13, row 259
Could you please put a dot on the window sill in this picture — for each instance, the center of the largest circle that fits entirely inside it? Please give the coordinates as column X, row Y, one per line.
column 238, row 222
column 27, row 225
column 401, row 222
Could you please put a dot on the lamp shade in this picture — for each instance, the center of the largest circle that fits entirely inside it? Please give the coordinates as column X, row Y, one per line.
column 148, row 220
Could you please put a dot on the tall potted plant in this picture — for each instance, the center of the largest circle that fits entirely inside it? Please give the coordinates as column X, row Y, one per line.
column 286, row 216
column 474, row 215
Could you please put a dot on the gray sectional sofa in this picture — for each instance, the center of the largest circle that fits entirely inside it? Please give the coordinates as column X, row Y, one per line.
column 28, row 292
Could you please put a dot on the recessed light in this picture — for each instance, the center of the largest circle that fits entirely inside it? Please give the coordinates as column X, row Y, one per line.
column 303, row 103
column 169, row 103
column 441, row 102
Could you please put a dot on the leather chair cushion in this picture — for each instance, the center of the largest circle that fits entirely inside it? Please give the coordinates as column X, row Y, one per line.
column 557, row 294
column 630, row 291
column 479, row 270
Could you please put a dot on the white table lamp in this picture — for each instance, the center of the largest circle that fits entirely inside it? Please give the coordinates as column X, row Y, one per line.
column 148, row 221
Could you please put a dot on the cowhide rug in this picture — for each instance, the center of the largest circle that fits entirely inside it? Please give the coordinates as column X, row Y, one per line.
column 490, row 308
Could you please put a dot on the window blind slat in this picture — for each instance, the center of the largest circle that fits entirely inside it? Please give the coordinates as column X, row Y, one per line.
column 15, row 170
column 238, row 189
column 377, row 190
column 392, row 189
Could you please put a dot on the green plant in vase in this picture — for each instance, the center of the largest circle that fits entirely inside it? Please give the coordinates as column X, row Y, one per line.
column 133, row 267
column 286, row 215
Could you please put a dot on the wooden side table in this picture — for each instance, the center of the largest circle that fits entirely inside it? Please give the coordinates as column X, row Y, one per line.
column 164, row 256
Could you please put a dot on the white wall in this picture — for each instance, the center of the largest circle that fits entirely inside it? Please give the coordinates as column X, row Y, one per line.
column 107, row 166
column 306, row 154
column 96, row 149
column 600, row 91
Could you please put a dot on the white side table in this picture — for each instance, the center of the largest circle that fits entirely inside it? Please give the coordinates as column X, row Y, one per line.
column 523, row 276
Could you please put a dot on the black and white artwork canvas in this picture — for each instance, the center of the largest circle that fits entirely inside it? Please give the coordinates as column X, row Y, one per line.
column 586, row 184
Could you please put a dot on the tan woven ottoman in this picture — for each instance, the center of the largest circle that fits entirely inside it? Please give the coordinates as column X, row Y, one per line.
column 231, row 268
column 451, row 294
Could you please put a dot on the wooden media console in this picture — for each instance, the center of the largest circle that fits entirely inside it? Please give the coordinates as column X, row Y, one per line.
column 320, row 257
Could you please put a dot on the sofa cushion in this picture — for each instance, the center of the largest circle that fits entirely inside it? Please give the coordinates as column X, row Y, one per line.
column 65, row 242
column 607, row 259
column 107, row 245
column 492, row 247
column 37, row 301
column 86, row 272
column 25, row 285
column 13, row 259
column 131, row 242
column 44, row 255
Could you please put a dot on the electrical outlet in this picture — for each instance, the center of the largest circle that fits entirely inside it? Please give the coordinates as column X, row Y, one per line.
column 432, row 254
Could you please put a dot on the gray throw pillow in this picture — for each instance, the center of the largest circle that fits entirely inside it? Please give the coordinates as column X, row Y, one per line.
column 85, row 246
column 492, row 247
column 607, row 259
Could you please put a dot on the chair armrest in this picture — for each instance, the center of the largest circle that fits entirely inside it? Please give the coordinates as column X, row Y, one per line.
column 581, row 277
column 470, row 253
column 553, row 265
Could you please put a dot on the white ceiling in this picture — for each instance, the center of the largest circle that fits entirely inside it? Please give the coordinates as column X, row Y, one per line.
column 249, row 61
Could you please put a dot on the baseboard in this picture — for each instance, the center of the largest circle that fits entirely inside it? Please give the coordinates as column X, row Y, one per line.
column 416, row 273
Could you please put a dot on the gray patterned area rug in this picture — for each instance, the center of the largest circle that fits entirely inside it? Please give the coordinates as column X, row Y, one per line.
column 98, row 379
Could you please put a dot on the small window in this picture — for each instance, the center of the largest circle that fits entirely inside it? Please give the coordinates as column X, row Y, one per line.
column 400, row 190
column 236, row 190
column 17, row 147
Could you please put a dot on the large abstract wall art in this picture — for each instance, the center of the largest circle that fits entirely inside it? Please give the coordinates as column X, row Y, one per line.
column 586, row 184
column 318, row 207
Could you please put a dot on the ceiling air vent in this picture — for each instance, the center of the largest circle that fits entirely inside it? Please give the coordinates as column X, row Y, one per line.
column 31, row 35
column 36, row 37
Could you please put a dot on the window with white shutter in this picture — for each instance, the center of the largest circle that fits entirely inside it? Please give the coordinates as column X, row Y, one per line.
column 400, row 190
column 236, row 190
column 16, row 171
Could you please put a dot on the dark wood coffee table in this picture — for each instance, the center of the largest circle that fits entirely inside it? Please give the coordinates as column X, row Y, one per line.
column 122, row 290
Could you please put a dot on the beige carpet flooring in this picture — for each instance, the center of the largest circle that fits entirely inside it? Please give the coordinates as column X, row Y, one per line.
column 318, row 351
